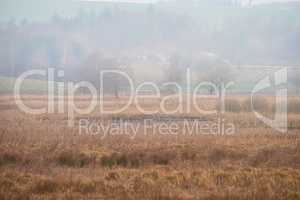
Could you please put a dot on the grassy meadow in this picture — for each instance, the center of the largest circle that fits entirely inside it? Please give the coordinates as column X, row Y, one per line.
column 42, row 158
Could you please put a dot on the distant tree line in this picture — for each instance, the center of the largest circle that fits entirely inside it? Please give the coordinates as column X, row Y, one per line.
column 114, row 37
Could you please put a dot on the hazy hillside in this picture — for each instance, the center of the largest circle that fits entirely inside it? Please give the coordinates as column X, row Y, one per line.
column 150, row 40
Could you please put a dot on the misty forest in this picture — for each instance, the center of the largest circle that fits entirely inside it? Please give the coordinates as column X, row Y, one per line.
column 154, row 42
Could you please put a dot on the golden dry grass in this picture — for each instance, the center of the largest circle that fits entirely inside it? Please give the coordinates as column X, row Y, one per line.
column 41, row 158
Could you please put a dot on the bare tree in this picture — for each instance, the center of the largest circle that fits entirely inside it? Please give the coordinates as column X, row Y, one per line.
column 217, row 71
column 176, row 70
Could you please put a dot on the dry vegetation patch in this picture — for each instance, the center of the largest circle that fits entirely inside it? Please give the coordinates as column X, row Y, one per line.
column 43, row 159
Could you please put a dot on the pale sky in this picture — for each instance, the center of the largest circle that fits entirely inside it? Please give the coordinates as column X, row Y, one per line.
column 268, row 1
column 153, row 1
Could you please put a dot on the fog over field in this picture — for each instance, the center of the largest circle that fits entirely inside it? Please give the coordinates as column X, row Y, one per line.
column 154, row 100
column 155, row 42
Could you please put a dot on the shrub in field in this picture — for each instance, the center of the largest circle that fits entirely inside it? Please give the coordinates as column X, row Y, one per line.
column 114, row 159
column 8, row 157
column 73, row 159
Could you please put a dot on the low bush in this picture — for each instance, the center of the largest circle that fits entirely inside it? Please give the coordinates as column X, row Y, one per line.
column 9, row 157
column 73, row 159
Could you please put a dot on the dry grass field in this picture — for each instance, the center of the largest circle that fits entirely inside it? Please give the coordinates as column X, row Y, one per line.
column 42, row 158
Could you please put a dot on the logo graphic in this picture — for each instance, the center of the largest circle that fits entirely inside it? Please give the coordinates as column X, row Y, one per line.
column 69, row 89
column 279, row 122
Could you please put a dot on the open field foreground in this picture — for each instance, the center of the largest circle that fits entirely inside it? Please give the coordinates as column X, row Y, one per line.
column 42, row 158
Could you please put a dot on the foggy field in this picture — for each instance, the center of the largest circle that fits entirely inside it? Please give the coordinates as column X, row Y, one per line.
column 42, row 158
column 149, row 100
